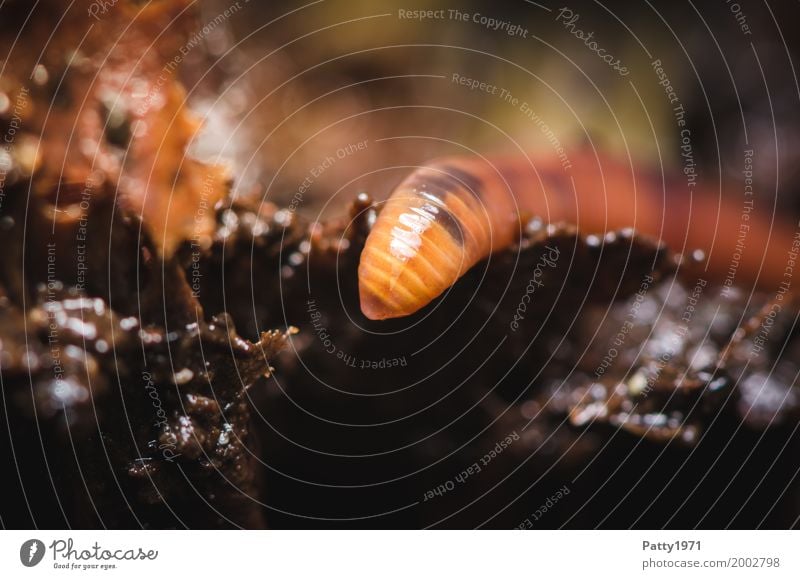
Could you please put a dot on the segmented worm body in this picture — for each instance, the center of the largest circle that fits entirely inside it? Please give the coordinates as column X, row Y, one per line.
column 449, row 214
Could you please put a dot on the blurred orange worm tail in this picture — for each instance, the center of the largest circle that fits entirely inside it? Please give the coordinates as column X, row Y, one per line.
column 448, row 215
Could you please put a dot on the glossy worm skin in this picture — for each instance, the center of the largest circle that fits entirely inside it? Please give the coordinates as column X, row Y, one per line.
column 449, row 214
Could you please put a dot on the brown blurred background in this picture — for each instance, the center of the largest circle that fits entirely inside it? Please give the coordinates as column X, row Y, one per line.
column 300, row 81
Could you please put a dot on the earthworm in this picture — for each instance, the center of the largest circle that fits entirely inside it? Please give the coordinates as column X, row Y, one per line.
column 453, row 212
